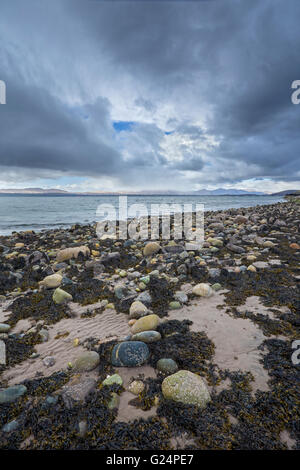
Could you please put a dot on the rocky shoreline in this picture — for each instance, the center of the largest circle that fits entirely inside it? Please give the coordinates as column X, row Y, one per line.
column 124, row 344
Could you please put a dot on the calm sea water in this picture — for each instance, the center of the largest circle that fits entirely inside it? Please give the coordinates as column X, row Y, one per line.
column 43, row 212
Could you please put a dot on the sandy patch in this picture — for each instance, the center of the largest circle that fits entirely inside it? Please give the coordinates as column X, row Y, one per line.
column 23, row 325
column 236, row 340
column 127, row 412
column 107, row 325
column 254, row 305
column 286, row 439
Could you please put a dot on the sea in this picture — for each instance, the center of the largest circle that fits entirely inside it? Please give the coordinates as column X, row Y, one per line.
column 35, row 212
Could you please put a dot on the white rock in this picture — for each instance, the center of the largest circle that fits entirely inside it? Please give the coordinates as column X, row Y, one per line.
column 203, row 290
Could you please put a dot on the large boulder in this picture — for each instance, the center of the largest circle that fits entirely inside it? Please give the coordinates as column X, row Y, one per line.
column 130, row 354
column 186, row 387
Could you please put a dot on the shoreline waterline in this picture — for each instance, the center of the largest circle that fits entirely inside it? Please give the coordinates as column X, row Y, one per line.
column 38, row 213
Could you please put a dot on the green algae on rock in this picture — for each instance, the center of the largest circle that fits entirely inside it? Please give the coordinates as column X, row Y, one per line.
column 186, row 387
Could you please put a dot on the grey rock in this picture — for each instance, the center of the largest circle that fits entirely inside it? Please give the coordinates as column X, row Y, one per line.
column 82, row 428
column 167, row 366
column 77, row 391
column 49, row 401
column 146, row 336
column 49, row 361
column 11, row 394
column 145, row 298
column 44, row 334
column 214, row 272
column 4, row 328
column 11, row 426
column 181, row 297
column 87, row 361
column 235, row 249
column 2, row 353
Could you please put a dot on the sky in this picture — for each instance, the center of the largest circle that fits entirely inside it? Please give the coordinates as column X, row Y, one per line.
column 149, row 95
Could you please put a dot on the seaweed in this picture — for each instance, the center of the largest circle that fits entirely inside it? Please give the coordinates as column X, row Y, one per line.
column 39, row 306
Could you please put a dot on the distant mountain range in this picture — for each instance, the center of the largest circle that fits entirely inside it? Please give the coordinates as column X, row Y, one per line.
column 200, row 192
column 286, row 192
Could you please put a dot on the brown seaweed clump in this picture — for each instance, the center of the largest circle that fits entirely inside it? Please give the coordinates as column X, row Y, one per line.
column 19, row 348
column 190, row 350
column 39, row 306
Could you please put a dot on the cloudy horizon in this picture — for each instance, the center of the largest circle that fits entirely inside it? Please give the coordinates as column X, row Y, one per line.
column 134, row 95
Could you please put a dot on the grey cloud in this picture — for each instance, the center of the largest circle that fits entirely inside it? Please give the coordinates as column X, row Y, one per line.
column 228, row 65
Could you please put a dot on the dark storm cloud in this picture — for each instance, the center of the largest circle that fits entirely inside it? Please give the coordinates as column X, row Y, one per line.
column 40, row 132
column 229, row 63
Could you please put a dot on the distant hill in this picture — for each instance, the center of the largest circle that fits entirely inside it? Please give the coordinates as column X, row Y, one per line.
column 200, row 192
column 227, row 192
column 286, row 192
column 33, row 191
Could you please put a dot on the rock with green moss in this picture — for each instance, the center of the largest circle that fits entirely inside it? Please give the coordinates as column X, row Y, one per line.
column 60, row 296
column 114, row 401
column 167, row 365
column 186, row 387
column 113, row 379
column 174, row 305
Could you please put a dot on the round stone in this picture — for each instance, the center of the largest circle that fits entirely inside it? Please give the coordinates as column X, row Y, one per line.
column 202, row 290
column 87, row 361
column 60, row 296
column 174, row 305
column 147, row 336
column 54, row 280
column 136, row 387
column 4, row 328
column 166, row 366
column 151, row 248
column 149, row 322
column 186, row 387
column 216, row 287
column 137, row 309
column 130, row 354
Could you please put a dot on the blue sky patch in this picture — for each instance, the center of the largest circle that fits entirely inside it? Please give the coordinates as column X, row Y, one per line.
column 123, row 125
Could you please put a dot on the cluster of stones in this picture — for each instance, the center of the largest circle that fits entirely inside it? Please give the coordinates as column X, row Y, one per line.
column 236, row 240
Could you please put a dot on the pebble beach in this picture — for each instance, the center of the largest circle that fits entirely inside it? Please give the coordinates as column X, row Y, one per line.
column 135, row 344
